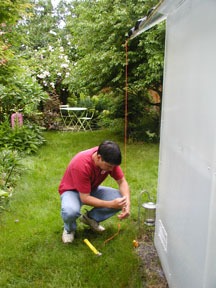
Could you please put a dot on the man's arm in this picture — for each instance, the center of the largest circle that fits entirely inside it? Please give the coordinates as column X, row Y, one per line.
column 117, row 203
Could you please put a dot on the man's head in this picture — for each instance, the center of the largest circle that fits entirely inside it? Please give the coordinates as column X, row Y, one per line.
column 110, row 153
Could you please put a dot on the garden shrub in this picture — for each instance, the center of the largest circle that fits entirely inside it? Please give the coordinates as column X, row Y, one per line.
column 26, row 139
column 10, row 170
column 15, row 142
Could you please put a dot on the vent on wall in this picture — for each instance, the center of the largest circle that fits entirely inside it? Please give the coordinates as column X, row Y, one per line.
column 162, row 235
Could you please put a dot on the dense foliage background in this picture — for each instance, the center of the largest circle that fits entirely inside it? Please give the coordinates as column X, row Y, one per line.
column 75, row 53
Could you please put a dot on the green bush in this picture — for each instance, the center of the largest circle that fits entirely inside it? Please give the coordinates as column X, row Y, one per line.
column 26, row 139
column 3, row 199
column 15, row 142
column 10, row 169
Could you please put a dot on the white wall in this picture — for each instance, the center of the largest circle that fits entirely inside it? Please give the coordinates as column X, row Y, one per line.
column 185, row 235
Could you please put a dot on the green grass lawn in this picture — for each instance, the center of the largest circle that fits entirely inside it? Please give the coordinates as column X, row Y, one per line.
column 31, row 251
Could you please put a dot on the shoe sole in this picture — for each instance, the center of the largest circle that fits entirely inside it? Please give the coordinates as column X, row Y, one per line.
column 85, row 221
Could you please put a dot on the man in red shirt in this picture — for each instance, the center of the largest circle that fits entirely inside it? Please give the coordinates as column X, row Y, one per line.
column 81, row 185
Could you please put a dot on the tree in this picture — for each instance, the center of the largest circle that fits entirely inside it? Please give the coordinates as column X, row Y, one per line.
column 10, row 13
column 47, row 48
column 17, row 89
column 98, row 30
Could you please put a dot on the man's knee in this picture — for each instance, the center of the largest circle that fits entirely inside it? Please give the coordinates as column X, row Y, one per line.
column 68, row 213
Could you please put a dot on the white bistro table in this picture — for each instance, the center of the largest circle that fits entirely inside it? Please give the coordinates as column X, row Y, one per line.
column 72, row 115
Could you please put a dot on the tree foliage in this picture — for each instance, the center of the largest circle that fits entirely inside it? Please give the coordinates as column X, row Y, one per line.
column 18, row 90
column 46, row 49
column 98, row 30
column 10, row 13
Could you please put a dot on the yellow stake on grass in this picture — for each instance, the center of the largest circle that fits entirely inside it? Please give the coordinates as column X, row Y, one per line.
column 92, row 247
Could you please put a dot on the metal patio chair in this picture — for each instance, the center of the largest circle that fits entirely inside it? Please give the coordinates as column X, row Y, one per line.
column 65, row 116
column 86, row 121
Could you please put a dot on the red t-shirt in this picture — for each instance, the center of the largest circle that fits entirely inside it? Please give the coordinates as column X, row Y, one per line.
column 83, row 175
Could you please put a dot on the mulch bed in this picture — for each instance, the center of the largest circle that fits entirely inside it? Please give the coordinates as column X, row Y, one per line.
column 150, row 263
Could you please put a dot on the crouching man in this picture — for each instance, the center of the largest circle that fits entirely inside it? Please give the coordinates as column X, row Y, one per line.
column 81, row 185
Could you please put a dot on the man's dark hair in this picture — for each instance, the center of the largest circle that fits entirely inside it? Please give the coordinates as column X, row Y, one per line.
column 110, row 152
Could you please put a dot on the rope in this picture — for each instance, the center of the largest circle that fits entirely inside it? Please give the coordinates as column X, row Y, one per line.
column 126, row 105
column 116, row 234
column 125, row 126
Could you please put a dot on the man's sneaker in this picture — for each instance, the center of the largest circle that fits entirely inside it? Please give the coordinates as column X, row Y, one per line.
column 95, row 226
column 67, row 237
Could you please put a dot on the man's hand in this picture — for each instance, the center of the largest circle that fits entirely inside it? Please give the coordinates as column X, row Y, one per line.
column 125, row 192
column 119, row 203
column 125, row 212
